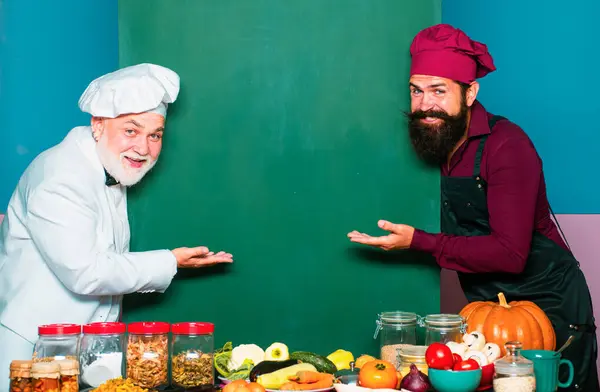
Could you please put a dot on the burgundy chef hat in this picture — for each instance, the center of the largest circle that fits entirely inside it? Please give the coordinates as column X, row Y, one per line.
column 445, row 51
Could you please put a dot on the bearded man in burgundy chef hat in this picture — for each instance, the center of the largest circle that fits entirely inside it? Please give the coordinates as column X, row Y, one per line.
column 496, row 226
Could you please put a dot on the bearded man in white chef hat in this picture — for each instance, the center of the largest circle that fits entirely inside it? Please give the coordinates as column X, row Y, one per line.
column 64, row 243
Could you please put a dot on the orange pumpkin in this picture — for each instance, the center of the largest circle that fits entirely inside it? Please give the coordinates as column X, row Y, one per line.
column 503, row 322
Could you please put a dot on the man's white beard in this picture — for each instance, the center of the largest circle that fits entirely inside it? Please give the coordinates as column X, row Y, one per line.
column 117, row 167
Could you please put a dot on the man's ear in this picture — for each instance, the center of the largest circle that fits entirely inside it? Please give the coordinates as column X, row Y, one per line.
column 472, row 93
column 97, row 127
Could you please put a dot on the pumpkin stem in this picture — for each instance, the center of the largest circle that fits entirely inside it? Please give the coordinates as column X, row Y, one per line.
column 503, row 301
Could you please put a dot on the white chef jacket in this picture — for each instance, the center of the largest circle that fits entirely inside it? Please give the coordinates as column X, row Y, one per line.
column 64, row 244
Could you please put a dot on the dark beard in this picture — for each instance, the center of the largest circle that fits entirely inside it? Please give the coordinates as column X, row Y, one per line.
column 434, row 142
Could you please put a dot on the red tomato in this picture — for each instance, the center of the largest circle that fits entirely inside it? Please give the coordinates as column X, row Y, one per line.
column 457, row 358
column 439, row 356
column 469, row 364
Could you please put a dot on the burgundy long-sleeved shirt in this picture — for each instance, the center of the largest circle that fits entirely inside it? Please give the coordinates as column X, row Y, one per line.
column 516, row 197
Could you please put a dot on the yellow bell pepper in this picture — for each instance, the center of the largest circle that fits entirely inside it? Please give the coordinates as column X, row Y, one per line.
column 341, row 359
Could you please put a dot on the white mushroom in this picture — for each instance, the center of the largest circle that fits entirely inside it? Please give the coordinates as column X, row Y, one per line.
column 475, row 341
column 457, row 348
column 491, row 351
column 478, row 356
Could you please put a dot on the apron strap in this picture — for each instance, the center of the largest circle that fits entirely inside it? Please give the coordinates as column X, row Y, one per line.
column 477, row 166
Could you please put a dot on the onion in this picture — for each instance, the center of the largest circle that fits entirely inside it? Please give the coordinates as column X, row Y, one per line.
column 415, row 381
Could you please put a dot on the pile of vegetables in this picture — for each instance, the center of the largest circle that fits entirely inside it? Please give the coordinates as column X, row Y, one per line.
column 277, row 367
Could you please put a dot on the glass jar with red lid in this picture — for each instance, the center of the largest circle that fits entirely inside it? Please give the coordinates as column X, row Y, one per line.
column 102, row 353
column 57, row 341
column 148, row 354
column 192, row 350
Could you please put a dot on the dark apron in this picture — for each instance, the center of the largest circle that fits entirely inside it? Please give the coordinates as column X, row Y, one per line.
column 551, row 279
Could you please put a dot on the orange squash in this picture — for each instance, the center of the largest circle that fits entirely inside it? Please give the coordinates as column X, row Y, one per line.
column 503, row 322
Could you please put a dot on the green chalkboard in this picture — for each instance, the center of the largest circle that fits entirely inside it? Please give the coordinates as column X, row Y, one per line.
column 288, row 133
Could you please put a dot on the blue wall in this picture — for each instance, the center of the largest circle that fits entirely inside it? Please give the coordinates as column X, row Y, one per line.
column 547, row 60
column 48, row 55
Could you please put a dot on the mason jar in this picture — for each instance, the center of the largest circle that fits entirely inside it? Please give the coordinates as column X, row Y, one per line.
column 395, row 330
column 443, row 328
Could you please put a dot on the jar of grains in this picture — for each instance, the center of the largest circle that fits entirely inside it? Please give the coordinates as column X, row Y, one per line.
column 20, row 376
column 45, row 376
column 57, row 341
column 192, row 355
column 148, row 354
column 69, row 375
column 443, row 328
column 514, row 373
column 395, row 330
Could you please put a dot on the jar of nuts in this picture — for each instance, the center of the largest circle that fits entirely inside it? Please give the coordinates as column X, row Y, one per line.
column 69, row 375
column 45, row 376
column 20, row 376
column 57, row 341
column 148, row 354
column 192, row 355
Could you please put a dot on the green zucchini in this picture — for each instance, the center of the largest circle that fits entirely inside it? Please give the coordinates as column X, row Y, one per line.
column 323, row 364
column 265, row 367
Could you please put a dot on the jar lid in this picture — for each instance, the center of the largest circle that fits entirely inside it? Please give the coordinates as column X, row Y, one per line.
column 19, row 364
column 444, row 320
column 68, row 366
column 398, row 317
column 148, row 327
column 192, row 328
column 412, row 351
column 104, row 328
column 45, row 370
column 59, row 329
column 513, row 363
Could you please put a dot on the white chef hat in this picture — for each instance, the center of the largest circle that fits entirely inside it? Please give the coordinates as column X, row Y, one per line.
column 135, row 89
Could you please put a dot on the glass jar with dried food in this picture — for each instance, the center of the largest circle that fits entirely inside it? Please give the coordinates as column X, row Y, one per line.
column 514, row 372
column 148, row 354
column 57, row 341
column 396, row 330
column 45, row 376
column 69, row 375
column 443, row 328
column 410, row 355
column 20, row 376
column 192, row 355
column 102, row 354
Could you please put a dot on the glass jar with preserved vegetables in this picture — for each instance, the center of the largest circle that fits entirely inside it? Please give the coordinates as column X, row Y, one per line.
column 45, row 376
column 20, row 376
column 69, row 375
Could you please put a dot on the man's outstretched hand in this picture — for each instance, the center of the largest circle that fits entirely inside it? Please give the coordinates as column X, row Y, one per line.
column 200, row 257
column 400, row 236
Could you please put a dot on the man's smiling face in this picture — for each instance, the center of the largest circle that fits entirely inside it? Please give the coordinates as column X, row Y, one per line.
column 129, row 145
